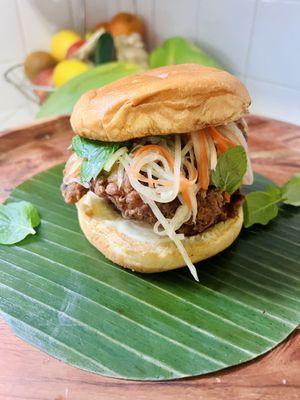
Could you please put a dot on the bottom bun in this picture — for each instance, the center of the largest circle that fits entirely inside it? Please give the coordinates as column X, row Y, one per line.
column 134, row 245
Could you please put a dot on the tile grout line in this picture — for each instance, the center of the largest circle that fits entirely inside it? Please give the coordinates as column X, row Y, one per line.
column 197, row 13
column 249, row 47
column 23, row 37
column 78, row 19
column 273, row 83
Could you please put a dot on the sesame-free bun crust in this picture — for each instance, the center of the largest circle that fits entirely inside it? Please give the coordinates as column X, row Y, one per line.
column 173, row 99
column 134, row 245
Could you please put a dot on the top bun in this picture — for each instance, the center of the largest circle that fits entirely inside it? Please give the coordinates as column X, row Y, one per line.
column 173, row 99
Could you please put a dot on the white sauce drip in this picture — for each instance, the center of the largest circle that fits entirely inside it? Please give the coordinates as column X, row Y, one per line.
column 139, row 231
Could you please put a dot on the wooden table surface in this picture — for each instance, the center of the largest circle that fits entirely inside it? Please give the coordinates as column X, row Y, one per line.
column 27, row 373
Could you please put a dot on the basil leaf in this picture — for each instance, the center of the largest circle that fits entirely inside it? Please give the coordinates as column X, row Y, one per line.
column 230, row 169
column 17, row 220
column 259, row 208
column 291, row 191
column 95, row 153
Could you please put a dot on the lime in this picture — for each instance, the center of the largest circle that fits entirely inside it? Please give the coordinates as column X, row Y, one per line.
column 68, row 69
column 61, row 42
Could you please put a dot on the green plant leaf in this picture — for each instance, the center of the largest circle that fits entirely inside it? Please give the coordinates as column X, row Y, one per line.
column 17, row 220
column 230, row 169
column 61, row 295
column 274, row 192
column 178, row 50
column 95, row 154
column 260, row 208
column 291, row 191
column 64, row 98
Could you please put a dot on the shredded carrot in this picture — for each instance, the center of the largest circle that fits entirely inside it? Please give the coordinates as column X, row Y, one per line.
column 223, row 143
column 184, row 186
column 187, row 199
column 184, row 182
column 137, row 157
column 160, row 149
column 204, row 162
column 227, row 197
column 152, row 181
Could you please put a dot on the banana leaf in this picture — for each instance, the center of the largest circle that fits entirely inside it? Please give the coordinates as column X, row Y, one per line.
column 60, row 294
column 63, row 99
column 177, row 50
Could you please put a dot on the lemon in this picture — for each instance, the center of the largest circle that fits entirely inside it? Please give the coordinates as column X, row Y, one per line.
column 68, row 69
column 61, row 42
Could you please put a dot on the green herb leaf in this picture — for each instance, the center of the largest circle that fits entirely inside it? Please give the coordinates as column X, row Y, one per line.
column 94, row 153
column 231, row 168
column 274, row 191
column 177, row 50
column 17, row 220
column 291, row 191
column 105, row 49
column 259, row 208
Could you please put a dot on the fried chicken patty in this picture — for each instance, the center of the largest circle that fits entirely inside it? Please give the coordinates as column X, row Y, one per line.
column 213, row 204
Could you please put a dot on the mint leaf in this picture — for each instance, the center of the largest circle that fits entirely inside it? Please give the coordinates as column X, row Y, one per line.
column 274, row 191
column 259, row 208
column 17, row 220
column 82, row 147
column 230, row 169
column 95, row 153
column 291, row 191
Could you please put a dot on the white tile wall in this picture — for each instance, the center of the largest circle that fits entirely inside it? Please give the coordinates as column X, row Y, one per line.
column 11, row 38
column 275, row 48
column 276, row 101
column 258, row 40
column 146, row 10
column 41, row 19
column 10, row 97
column 225, row 31
column 173, row 18
column 98, row 11
column 27, row 25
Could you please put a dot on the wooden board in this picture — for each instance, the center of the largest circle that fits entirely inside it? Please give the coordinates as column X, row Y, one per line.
column 27, row 373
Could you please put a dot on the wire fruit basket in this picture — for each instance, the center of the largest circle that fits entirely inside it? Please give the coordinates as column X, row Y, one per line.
column 15, row 75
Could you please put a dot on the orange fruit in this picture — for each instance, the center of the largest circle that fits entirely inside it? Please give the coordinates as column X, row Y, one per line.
column 99, row 25
column 125, row 24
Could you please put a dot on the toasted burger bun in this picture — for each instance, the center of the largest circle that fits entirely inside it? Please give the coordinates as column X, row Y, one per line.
column 173, row 99
column 134, row 245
